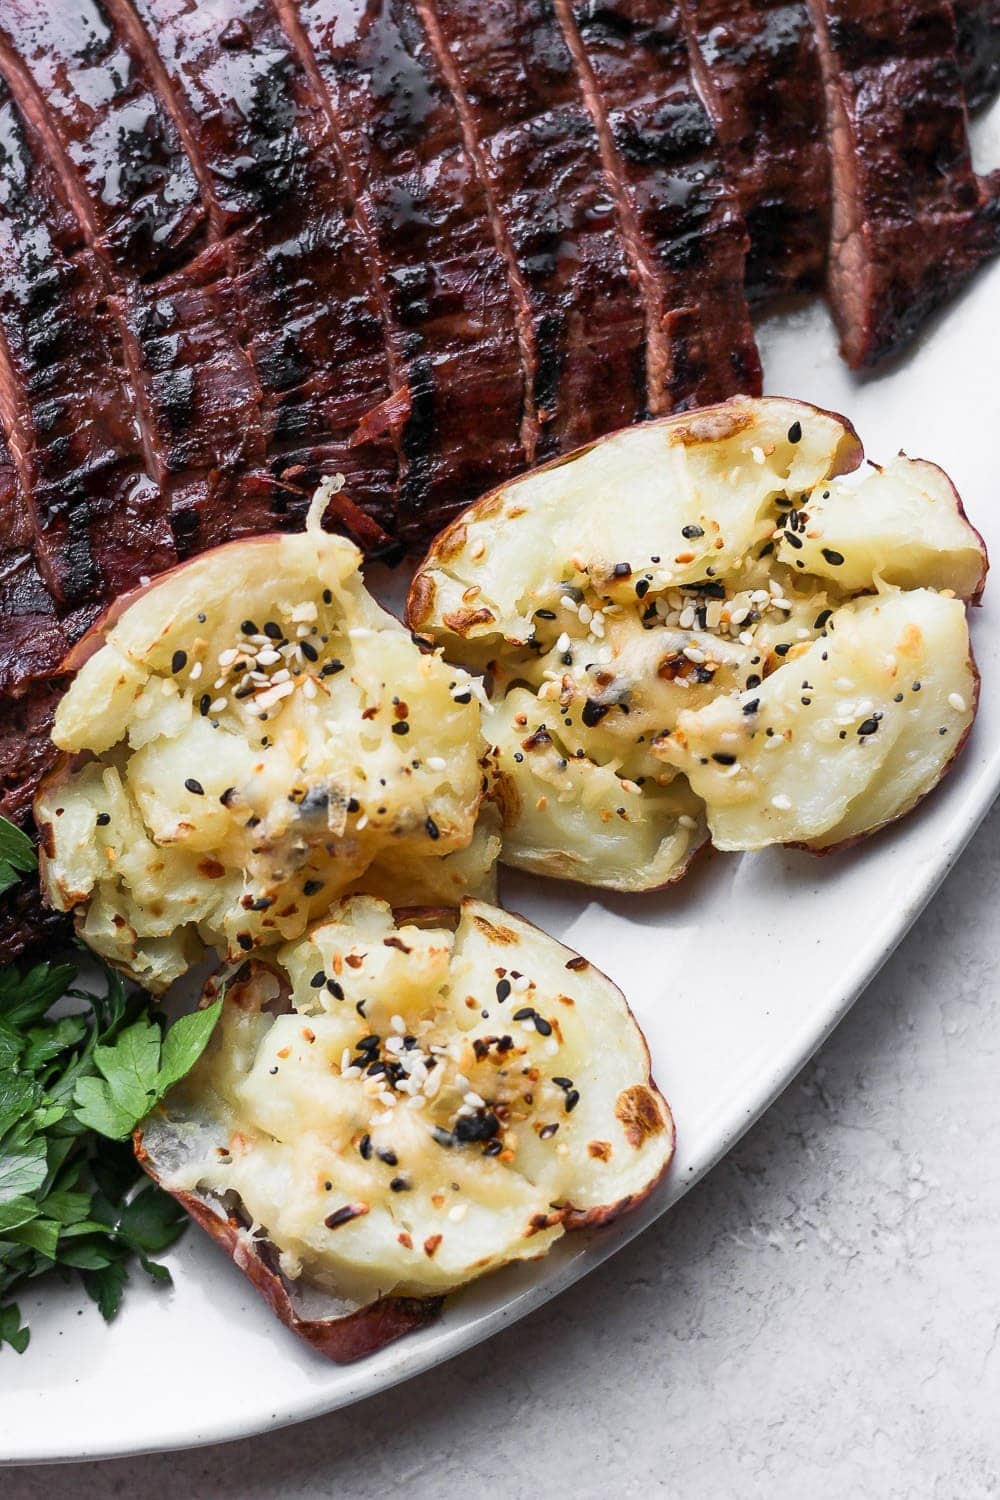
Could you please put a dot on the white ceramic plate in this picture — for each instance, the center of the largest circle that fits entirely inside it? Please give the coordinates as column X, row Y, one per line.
column 736, row 977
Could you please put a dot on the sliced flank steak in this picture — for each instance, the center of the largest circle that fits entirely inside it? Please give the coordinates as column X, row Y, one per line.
column 681, row 218
column 911, row 221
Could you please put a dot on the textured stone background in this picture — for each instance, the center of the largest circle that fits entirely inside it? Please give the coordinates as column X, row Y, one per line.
column 820, row 1317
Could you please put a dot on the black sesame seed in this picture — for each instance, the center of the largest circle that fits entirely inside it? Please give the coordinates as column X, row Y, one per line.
column 503, row 989
column 795, row 541
column 692, row 531
column 822, row 618
column 353, row 805
column 272, row 631
column 545, row 614
column 227, row 796
column 869, row 726
column 194, row 787
column 753, row 680
column 312, row 887
column 766, row 550
column 593, row 712
column 493, row 1148
column 835, row 559
column 368, row 1044
column 318, row 980
column 443, row 1137
column 898, row 698
column 482, row 1126
column 547, row 1132
column 752, row 706
column 795, row 432
column 272, row 1071
column 327, row 596
column 331, row 668
column 335, row 989
column 308, row 651
column 723, row 758
column 389, row 1157
column 642, row 588
column 460, row 698
column 262, row 903
column 543, row 1027
column 806, row 702
column 622, row 570
column 399, row 1185
column 572, row 1100
column 783, row 649
column 518, row 756
column 178, row 661
column 942, row 731
column 341, row 1216
column 433, row 831
column 401, row 727
column 916, row 687
column 249, row 628
column 204, row 703
column 526, row 1013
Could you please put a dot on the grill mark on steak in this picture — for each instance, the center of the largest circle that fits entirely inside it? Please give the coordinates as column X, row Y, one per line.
column 911, row 221
column 759, row 73
column 666, row 161
column 307, row 315
column 96, row 516
column 447, row 299
column 540, row 150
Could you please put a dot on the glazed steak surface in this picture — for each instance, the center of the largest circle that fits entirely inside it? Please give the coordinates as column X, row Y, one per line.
column 678, row 205
column 758, row 66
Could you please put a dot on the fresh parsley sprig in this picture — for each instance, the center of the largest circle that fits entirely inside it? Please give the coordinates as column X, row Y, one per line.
column 73, row 1085
column 17, row 855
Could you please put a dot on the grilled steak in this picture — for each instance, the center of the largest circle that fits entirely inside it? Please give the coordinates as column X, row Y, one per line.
column 528, row 123
column 678, row 210
column 445, row 293
column 911, row 221
column 758, row 67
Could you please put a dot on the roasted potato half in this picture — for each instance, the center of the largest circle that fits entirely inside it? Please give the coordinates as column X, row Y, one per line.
column 640, row 605
column 246, row 739
column 388, row 1110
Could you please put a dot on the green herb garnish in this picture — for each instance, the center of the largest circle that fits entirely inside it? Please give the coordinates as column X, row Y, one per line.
column 17, row 855
column 72, row 1088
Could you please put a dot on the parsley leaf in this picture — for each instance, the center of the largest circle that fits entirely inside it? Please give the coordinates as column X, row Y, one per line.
column 17, row 855
column 73, row 1086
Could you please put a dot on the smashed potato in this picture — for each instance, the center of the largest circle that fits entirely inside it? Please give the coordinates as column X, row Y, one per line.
column 630, row 605
column 399, row 1109
column 246, row 739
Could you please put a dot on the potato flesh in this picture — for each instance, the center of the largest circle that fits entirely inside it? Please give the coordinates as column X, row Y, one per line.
column 844, row 737
column 226, row 810
column 902, row 525
column 478, row 1166
column 615, row 656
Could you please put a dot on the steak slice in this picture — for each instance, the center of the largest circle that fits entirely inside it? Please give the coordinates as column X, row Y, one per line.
column 678, row 210
column 529, row 126
column 978, row 48
column 134, row 184
column 303, row 299
column 93, row 511
column 124, row 173
column 911, row 221
column 759, row 71
column 445, row 292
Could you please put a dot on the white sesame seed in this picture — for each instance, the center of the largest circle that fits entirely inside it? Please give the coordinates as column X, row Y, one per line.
column 693, row 654
column 309, row 688
column 217, row 705
column 398, row 1025
column 781, row 802
column 562, row 644
column 746, row 637
column 520, row 984
column 196, row 671
column 737, row 616
column 458, row 1212
column 416, row 1101
column 345, row 1059
column 567, row 603
column 436, row 763
column 351, row 1072
column 586, row 614
column 360, row 632
column 957, row 702
column 386, row 1098
column 686, row 821
column 686, row 618
column 226, row 658
column 475, row 1100
column 268, row 657
column 758, row 455
column 362, row 823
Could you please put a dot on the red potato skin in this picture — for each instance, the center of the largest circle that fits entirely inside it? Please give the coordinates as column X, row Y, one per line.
column 419, row 600
column 341, row 1339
